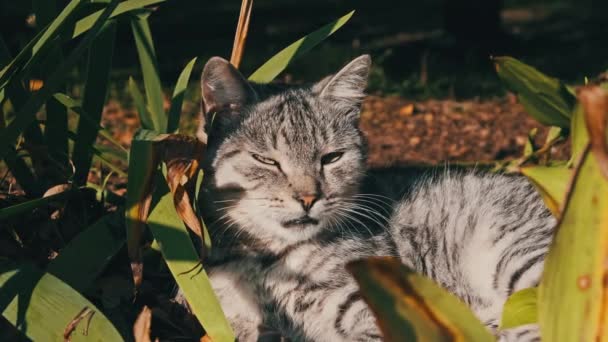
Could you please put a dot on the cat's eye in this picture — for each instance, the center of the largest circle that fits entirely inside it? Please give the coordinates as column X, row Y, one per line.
column 265, row 160
column 331, row 157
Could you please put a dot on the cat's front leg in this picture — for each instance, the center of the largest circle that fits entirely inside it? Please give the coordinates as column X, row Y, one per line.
column 238, row 300
column 332, row 314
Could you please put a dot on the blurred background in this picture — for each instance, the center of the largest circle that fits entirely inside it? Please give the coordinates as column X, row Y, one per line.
column 439, row 96
column 420, row 48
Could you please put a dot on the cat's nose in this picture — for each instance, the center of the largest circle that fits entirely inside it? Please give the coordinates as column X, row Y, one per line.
column 307, row 200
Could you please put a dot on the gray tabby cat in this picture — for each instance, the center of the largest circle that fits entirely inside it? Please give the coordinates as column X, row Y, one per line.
column 283, row 195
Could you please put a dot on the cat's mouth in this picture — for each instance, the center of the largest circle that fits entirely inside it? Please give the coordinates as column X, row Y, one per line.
column 300, row 222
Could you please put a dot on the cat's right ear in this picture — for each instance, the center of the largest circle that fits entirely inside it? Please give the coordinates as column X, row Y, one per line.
column 223, row 86
column 223, row 90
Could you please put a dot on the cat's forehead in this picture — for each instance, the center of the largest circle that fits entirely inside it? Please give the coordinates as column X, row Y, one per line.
column 296, row 121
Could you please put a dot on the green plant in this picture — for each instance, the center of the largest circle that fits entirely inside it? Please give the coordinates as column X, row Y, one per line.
column 46, row 157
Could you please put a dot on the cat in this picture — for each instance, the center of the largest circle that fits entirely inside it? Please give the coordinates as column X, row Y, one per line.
column 283, row 197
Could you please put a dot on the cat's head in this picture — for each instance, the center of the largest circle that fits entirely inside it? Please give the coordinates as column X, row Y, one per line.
column 285, row 165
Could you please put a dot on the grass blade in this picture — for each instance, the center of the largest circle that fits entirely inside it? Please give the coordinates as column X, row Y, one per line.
column 275, row 65
column 179, row 253
column 84, row 258
column 86, row 23
column 177, row 99
column 95, row 93
column 25, row 207
column 56, row 130
column 149, row 69
column 409, row 306
column 27, row 113
column 143, row 164
column 42, row 307
column 147, row 122
column 75, row 106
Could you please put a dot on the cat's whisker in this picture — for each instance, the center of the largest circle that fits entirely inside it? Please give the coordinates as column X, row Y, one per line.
column 369, row 211
column 352, row 217
column 375, row 204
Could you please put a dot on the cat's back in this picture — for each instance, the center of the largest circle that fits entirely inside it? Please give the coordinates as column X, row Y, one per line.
column 479, row 235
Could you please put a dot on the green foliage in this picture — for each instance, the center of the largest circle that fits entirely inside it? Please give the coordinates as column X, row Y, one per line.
column 275, row 65
column 42, row 306
column 545, row 98
column 410, row 306
column 520, row 309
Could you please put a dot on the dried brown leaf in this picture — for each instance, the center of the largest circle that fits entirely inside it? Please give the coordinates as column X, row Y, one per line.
column 241, row 33
column 183, row 156
column 142, row 325
column 595, row 103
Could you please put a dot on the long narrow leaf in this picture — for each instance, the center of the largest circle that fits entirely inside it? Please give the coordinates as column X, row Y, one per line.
column 84, row 258
column 28, row 112
column 149, row 69
column 573, row 294
column 56, row 130
column 143, row 164
column 407, row 304
column 86, row 23
column 46, row 309
column 95, row 93
column 75, row 106
column 275, row 65
column 25, row 207
column 147, row 121
column 180, row 255
column 177, row 100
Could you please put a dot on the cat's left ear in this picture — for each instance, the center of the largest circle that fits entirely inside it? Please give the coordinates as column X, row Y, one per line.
column 348, row 85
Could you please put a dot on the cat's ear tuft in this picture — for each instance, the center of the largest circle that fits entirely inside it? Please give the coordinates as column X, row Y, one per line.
column 223, row 86
column 349, row 84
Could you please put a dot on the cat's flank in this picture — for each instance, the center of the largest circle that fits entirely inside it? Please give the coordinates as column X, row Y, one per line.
column 283, row 196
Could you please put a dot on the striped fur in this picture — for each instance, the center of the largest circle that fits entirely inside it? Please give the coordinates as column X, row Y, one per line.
column 278, row 260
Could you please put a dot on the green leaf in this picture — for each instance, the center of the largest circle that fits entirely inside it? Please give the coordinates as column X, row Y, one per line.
column 545, row 98
column 56, row 129
column 75, row 106
column 143, row 164
column 551, row 182
column 275, row 65
column 176, row 246
column 27, row 113
column 520, row 308
column 42, row 306
column 85, row 257
column 578, row 133
column 178, row 97
column 147, row 121
column 94, row 98
column 572, row 294
column 411, row 307
column 529, row 147
column 22, row 208
column 86, row 23
column 149, row 69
